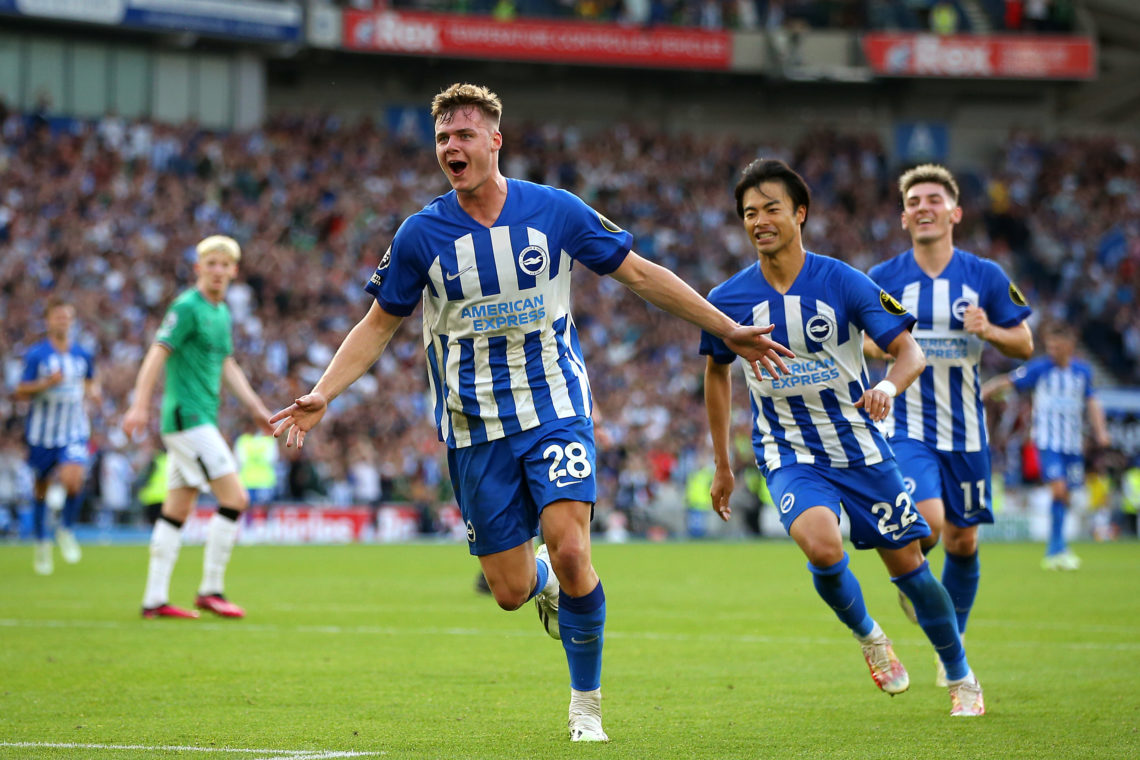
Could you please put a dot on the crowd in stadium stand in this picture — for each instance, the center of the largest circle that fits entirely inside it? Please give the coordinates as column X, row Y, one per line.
column 942, row 16
column 108, row 214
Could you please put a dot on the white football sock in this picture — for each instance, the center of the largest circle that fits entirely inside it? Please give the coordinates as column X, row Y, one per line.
column 221, row 533
column 165, row 542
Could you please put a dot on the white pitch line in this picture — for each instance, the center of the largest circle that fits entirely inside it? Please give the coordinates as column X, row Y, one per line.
column 1123, row 646
column 267, row 754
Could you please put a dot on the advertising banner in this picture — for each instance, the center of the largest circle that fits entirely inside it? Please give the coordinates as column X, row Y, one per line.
column 291, row 525
column 453, row 35
column 260, row 20
column 980, row 56
column 281, row 524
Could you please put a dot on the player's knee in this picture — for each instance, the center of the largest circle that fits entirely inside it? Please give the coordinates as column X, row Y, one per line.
column 823, row 552
column 571, row 561
column 962, row 545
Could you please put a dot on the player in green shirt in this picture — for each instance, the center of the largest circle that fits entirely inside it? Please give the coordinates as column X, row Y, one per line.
column 195, row 345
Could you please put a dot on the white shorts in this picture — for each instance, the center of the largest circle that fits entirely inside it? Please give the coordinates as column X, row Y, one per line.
column 196, row 456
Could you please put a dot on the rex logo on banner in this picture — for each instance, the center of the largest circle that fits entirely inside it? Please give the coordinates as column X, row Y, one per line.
column 989, row 56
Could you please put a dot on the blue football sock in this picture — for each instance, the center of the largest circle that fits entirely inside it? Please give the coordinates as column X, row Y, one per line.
column 542, row 571
column 581, row 623
column 960, row 576
column 39, row 519
column 935, row 613
column 70, row 510
column 1057, row 529
column 838, row 587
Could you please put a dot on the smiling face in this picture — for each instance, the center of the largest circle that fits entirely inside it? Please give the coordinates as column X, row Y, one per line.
column 929, row 213
column 771, row 220
column 467, row 147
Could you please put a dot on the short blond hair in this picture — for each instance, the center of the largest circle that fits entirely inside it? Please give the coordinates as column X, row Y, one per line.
column 463, row 95
column 935, row 173
column 221, row 244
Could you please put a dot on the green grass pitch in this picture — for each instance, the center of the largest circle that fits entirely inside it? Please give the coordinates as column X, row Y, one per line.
column 712, row 651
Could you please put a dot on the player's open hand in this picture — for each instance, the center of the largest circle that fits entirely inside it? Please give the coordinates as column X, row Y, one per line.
column 759, row 350
column 299, row 418
column 723, row 483
column 876, row 403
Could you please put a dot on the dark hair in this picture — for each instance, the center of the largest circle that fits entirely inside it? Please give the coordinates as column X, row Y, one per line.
column 773, row 170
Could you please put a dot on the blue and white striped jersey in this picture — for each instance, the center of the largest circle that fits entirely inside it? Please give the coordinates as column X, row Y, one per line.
column 502, row 349
column 57, row 417
column 1060, row 395
column 810, row 416
column 943, row 407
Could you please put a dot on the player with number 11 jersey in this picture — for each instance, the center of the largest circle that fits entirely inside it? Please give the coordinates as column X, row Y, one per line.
column 938, row 428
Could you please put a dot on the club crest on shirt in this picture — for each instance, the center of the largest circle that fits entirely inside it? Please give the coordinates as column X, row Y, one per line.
column 787, row 501
column 470, row 532
column 958, row 308
column 890, row 305
column 533, row 260
column 607, row 223
column 1016, row 296
column 820, row 328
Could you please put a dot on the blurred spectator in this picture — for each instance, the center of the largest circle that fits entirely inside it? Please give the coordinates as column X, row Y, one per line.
column 944, row 18
column 114, row 478
column 257, row 456
column 1130, row 499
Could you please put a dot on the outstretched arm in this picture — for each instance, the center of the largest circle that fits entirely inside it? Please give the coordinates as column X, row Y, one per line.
column 718, row 406
column 909, row 361
column 238, row 384
column 360, row 349
column 136, row 417
column 669, row 292
column 1015, row 342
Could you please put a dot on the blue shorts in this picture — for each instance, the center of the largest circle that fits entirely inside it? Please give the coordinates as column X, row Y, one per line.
column 961, row 479
column 43, row 459
column 501, row 486
column 1056, row 465
column 874, row 497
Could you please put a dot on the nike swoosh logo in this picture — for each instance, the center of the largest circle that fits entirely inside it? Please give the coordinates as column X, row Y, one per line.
column 563, row 484
column 460, row 272
column 584, row 641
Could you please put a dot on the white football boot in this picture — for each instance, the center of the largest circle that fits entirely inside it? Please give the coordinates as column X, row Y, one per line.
column 43, row 562
column 546, row 600
column 586, row 716
column 68, row 546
